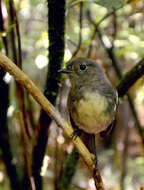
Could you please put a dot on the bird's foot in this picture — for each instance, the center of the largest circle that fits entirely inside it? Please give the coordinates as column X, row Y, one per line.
column 77, row 132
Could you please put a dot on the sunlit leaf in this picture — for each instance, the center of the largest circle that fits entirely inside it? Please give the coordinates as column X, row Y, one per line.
column 110, row 3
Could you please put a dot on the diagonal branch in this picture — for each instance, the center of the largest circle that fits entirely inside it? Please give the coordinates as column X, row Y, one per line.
column 24, row 80
column 130, row 78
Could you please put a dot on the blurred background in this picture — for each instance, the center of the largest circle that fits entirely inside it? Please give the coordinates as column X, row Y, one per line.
column 34, row 152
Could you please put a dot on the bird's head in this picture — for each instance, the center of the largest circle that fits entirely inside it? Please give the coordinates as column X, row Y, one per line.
column 82, row 68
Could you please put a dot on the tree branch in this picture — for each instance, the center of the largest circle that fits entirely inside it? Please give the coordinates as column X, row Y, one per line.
column 130, row 78
column 24, row 80
column 56, row 29
column 80, row 30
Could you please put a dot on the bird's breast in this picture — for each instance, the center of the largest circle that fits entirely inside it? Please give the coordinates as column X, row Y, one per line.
column 91, row 114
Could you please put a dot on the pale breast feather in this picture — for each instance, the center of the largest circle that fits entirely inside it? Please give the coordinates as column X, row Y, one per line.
column 90, row 113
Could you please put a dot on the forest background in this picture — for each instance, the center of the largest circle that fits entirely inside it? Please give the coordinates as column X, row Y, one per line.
column 40, row 37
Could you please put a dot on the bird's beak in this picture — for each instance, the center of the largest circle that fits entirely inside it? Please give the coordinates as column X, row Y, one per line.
column 64, row 71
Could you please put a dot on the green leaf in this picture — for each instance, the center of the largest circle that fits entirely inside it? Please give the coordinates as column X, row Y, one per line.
column 110, row 3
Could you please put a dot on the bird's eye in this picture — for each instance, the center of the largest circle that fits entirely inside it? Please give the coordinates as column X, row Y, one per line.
column 82, row 67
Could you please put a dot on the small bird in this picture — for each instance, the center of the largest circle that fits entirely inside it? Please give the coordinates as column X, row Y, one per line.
column 92, row 100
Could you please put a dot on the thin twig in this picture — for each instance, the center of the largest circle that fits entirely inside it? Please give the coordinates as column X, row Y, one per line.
column 56, row 155
column 17, row 56
column 26, row 146
column 114, row 21
column 73, row 43
column 2, row 30
column 96, row 25
column 12, row 32
column 15, row 22
column 110, row 14
column 80, row 30
column 18, row 38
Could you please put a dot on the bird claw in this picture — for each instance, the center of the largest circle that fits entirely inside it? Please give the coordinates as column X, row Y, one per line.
column 76, row 133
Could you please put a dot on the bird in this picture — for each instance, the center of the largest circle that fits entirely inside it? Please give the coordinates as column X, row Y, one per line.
column 92, row 100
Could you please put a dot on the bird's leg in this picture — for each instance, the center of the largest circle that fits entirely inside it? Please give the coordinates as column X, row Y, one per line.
column 95, row 153
column 77, row 132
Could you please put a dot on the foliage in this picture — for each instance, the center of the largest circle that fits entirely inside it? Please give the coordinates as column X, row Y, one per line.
column 110, row 3
column 104, row 26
